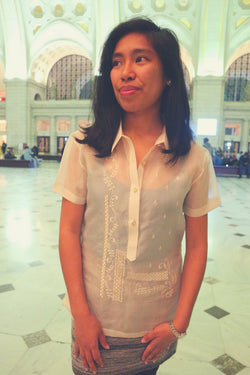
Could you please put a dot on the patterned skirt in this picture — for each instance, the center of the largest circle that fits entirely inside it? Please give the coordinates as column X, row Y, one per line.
column 123, row 357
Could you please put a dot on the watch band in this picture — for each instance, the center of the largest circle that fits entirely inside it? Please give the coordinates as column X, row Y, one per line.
column 177, row 334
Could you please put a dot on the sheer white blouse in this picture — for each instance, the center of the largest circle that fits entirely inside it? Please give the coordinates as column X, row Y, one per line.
column 133, row 227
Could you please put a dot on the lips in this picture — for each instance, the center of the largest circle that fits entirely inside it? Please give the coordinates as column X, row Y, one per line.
column 128, row 90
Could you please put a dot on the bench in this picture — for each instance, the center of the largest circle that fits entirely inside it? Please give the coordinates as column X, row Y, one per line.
column 49, row 157
column 228, row 170
column 14, row 163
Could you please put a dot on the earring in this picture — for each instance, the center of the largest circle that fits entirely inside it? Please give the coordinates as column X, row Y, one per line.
column 168, row 83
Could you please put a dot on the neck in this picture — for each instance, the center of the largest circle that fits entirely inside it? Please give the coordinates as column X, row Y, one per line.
column 142, row 125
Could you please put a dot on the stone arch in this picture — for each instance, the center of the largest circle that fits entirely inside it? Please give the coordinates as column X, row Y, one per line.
column 70, row 78
column 237, row 85
column 37, row 97
column 184, row 38
column 238, row 44
column 239, row 51
column 54, row 42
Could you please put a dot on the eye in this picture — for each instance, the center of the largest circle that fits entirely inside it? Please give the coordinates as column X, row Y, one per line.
column 141, row 59
column 116, row 63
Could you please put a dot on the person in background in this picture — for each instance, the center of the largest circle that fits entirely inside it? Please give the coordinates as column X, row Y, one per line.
column 217, row 159
column 244, row 162
column 132, row 184
column 35, row 151
column 207, row 145
column 4, row 146
column 9, row 154
column 28, row 155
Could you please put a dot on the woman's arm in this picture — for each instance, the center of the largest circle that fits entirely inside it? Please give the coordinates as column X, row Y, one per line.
column 87, row 328
column 193, row 272
column 193, row 269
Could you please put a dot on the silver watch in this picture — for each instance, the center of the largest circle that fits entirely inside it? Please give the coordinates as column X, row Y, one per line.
column 177, row 334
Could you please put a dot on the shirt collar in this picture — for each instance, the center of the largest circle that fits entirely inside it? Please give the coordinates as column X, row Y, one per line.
column 162, row 139
column 118, row 137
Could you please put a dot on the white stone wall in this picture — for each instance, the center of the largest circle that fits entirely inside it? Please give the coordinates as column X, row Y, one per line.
column 32, row 39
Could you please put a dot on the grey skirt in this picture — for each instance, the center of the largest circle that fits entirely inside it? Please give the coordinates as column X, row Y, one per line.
column 123, row 357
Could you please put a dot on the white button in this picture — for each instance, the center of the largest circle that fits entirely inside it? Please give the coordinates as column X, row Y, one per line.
column 143, row 162
column 135, row 189
column 133, row 223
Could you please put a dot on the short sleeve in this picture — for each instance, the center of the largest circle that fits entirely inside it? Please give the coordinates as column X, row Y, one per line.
column 203, row 195
column 71, row 181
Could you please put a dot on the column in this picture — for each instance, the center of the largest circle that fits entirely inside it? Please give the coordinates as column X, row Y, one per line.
column 53, row 136
column 208, row 102
column 244, row 135
column 74, row 125
column 107, row 17
column 14, row 40
column 212, row 37
column 17, row 109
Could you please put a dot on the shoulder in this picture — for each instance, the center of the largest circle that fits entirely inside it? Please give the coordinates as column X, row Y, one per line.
column 197, row 160
column 76, row 144
column 78, row 135
column 198, row 154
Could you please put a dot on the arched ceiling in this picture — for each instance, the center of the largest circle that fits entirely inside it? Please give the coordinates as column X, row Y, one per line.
column 43, row 62
column 192, row 20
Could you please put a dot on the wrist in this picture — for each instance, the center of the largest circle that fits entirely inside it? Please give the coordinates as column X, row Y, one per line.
column 80, row 313
column 178, row 334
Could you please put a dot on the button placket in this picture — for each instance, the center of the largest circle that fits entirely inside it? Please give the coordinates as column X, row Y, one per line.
column 134, row 205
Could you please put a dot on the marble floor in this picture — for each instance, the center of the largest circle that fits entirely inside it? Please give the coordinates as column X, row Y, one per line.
column 35, row 327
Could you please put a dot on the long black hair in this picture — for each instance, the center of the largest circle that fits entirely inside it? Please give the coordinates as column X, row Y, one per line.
column 174, row 109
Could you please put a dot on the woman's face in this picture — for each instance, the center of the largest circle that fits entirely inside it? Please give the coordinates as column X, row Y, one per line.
column 137, row 75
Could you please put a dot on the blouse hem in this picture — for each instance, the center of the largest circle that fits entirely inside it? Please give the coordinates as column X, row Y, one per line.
column 130, row 335
column 66, row 194
column 204, row 210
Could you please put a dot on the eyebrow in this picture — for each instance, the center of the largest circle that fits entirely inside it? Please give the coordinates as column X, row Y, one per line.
column 134, row 52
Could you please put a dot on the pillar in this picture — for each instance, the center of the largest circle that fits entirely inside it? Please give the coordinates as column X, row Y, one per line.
column 244, row 135
column 53, row 136
column 208, row 102
column 17, row 109
column 107, row 17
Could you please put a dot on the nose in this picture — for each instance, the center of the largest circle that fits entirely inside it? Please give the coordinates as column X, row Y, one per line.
column 128, row 73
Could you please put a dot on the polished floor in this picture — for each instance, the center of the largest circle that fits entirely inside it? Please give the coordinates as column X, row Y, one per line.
column 34, row 326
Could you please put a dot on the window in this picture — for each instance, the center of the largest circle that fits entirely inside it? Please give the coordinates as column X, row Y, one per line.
column 43, row 144
column 231, row 147
column 61, row 141
column 3, row 126
column 237, row 86
column 37, row 97
column 232, row 129
column 63, row 125
column 70, row 78
column 206, row 126
column 43, row 125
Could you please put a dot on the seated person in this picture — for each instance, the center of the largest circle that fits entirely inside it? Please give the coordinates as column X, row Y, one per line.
column 9, row 154
column 217, row 160
column 35, row 151
column 28, row 155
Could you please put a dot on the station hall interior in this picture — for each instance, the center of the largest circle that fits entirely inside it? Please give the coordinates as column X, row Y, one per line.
column 49, row 57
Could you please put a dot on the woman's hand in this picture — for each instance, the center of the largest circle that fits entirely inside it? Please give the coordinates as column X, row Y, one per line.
column 88, row 334
column 159, row 339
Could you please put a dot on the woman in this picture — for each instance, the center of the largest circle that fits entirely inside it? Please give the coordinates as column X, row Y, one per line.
column 132, row 183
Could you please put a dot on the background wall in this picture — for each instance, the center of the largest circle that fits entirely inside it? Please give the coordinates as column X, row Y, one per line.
column 37, row 34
